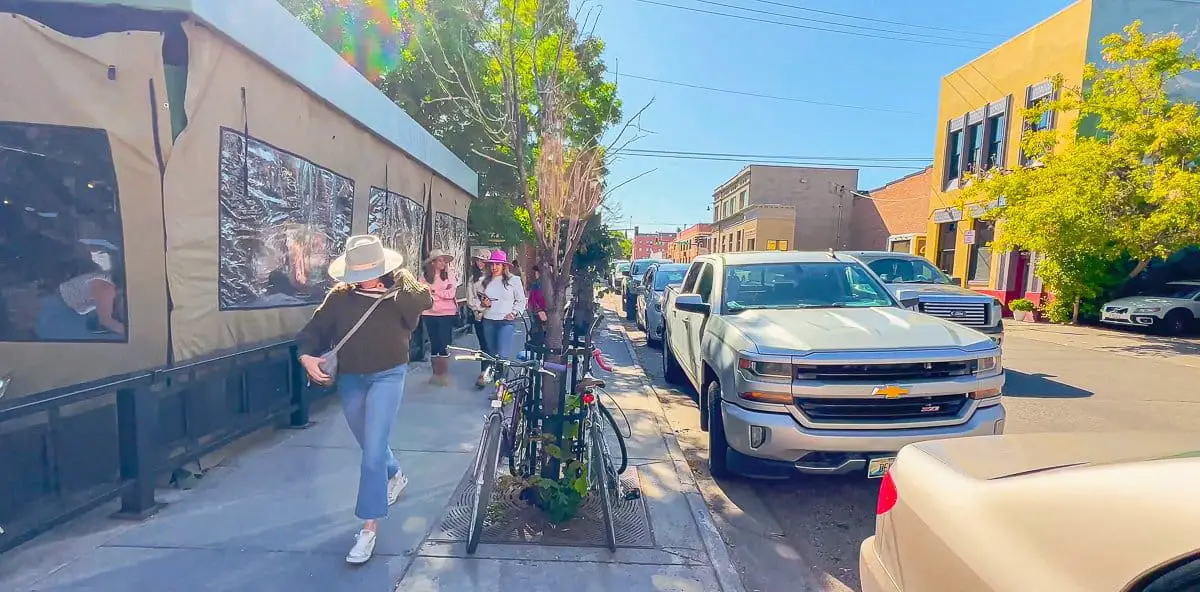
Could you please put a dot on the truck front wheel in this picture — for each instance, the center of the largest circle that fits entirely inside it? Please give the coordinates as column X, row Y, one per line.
column 718, row 446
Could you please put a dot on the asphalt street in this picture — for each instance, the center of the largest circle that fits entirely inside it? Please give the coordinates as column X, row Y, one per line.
column 803, row 534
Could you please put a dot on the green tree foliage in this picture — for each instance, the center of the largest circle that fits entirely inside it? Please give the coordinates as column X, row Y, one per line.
column 1123, row 186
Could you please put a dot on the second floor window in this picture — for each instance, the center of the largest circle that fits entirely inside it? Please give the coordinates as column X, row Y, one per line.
column 954, row 155
column 974, row 147
column 995, row 148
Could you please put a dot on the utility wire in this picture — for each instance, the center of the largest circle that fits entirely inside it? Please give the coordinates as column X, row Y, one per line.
column 924, row 159
column 799, row 26
column 840, row 165
column 766, row 96
column 834, row 23
column 875, row 20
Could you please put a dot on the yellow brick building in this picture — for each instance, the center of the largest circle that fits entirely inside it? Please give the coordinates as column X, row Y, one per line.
column 981, row 116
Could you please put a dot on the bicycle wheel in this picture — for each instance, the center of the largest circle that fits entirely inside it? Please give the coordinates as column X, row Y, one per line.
column 617, row 437
column 607, row 473
column 519, row 442
column 485, row 480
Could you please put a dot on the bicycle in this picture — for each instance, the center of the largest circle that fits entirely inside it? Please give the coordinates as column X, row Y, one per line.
column 498, row 438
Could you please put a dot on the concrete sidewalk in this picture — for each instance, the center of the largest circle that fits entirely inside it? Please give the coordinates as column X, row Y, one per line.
column 279, row 516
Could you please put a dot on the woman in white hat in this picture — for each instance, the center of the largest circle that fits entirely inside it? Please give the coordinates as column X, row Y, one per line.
column 439, row 320
column 372, row 365
column 501, row 296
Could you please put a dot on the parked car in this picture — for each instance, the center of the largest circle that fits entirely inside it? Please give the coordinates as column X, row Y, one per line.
column 938, row 295
column 650, row 301
column 617, row 275
column 1171, row 308
column 632, row 285
column 1078, row 512
column 806, row 362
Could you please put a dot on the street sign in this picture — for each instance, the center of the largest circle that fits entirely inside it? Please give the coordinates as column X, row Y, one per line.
column 969, row 237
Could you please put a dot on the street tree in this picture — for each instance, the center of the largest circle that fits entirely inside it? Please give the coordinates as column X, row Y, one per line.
column 546, row 106
column 1123, row 184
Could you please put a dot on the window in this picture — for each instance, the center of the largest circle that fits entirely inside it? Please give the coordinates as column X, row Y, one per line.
column 802, row 285
column 749, row 244
column 739, row 240
column 61, row 242
column 689, row 282
column 974, row 147
column 900, row 246
column 666, row 277
column 902, row 270
column 783, row 245
column 947, row 239
column 953, row 155
column 772, row 245
column 996, row 132
column 283, row 219
column 1035, row 96
column 981, row 251
column 745, row 199
column 705, row 283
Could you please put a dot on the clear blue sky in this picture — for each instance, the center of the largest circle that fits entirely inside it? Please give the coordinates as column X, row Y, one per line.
column 654, row 41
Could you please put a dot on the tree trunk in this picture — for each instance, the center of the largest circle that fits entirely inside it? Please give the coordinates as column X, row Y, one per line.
column 1139, row 268
column 1075, row 312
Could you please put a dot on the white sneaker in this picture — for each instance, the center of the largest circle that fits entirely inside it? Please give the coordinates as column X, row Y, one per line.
column 364, row 546
column 395, row 486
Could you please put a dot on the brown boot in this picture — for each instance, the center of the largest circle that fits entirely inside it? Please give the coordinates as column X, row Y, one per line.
column 441, row 365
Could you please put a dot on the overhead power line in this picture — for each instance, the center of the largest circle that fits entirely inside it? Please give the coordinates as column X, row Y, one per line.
column 767, row 161
column 766, row 96
column 781, row 157
column 807, row 27
column 834, row 23
column 875, row 20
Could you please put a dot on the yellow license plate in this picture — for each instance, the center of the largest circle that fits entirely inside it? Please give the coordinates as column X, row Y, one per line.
column 876, row 467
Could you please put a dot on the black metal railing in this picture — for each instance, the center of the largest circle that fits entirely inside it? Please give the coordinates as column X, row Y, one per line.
column 69, row 451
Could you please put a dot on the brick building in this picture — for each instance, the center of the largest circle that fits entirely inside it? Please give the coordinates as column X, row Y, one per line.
column 692, row 241
column 893, row 217
column 646, row 246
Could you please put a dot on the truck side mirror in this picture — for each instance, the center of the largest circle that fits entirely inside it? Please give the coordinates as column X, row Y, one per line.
column 908, row 298
column 956, row 281
column 691, row 303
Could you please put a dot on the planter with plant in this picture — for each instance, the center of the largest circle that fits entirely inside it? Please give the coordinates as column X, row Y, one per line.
column 1022, row 309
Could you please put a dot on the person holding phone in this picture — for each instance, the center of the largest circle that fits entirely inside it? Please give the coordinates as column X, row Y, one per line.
column 501, row 297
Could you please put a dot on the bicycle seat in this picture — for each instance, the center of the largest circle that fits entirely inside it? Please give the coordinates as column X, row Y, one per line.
column 588, row 382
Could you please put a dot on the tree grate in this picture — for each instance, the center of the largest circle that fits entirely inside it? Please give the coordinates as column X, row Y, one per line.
column 512, row 520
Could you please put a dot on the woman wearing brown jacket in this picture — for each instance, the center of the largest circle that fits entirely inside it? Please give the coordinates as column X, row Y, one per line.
column 372, row 365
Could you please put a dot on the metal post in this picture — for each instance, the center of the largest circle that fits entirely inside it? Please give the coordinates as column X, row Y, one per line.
column 298, row 387
column 136, row 419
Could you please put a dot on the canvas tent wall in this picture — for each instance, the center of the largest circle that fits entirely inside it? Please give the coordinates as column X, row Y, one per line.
column 223, row 153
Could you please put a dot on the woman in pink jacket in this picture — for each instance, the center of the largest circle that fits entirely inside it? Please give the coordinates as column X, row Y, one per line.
column 439, row 320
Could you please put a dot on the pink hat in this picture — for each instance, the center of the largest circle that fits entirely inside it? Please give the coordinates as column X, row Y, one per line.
column 498, row 256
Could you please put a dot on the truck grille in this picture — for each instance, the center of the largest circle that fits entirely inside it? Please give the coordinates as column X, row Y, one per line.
column 969, row 314
column 880, row 409
column 884, row 372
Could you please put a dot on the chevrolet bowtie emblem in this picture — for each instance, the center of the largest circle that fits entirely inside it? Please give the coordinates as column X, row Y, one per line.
column 891, row 391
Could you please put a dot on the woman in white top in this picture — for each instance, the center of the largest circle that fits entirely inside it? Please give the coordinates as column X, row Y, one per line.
column 64, row 313
column 501, row 297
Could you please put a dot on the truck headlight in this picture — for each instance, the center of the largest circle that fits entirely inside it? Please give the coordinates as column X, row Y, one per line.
column 996, row 313
column 1147, row 309
column 989, row 366
column 766, row 369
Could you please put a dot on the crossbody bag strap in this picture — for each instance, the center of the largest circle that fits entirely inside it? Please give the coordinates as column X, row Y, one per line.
column 363, row 319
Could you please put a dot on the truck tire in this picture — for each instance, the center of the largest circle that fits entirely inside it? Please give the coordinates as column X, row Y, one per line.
column 672, row 373
column 718, row 446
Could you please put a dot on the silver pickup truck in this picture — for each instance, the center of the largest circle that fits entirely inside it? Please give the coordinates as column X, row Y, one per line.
column 937, row 294
column 805, row 363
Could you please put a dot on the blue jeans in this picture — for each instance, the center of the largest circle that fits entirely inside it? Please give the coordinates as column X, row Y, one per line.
column 498, row 338
column 370, row 403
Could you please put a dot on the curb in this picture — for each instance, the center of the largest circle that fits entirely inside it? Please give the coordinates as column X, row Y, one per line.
column 714, row 544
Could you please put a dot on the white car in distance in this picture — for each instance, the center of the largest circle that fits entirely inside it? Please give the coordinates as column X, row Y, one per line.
column 1171, row 308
